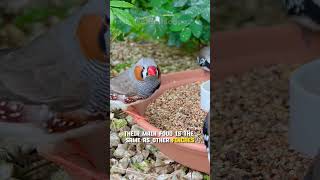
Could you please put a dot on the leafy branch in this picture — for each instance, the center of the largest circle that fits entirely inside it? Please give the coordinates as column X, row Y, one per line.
column 179, row 22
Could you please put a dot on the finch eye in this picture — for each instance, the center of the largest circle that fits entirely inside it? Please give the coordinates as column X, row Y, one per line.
column 159, row 73
column 142, row 72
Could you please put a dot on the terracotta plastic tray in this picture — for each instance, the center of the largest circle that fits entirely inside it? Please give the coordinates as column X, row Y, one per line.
column 235, row 52
column 87, row 165
column 239, row 51
column 193, row 155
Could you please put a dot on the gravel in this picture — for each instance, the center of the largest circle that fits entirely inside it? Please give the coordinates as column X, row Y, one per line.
column 169, row 59
column 250, row 127
column 178, row 109
column 140, row 160
column 21, row 161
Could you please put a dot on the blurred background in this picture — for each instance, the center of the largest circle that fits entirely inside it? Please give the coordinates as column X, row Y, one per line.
column 231, row 15
column 251, row 110
column 20, row 22
column 23, row 20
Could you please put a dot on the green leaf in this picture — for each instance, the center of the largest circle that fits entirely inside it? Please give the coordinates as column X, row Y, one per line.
column 196, row 2
column 200, row 3
column 192, row 11
column 176, row 27
column 111, row 16
column 159, row 22
column 185, row 34
column 206, row 14
column 157, row 29
column 191, row 45
column 121, row 4
column 157, row 3
column 179, row 3
column 124, row 16
column 179, row 22
column 124, row 28
column 172, row 39
column 196, row 28
column 150, row 29
column 206, row 33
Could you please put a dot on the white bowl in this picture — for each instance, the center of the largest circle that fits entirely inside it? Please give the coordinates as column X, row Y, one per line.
column 205, row 96
column 304, row 122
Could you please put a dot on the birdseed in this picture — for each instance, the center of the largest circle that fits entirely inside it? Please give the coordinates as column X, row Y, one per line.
column 178, row 109
column 250, row 127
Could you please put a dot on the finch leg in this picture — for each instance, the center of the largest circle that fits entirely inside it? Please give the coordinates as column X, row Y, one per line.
column 65, row 121
column 132, row 99
column 11, row 111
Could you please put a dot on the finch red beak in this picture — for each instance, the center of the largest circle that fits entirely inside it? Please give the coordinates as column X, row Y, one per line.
column 152, row 71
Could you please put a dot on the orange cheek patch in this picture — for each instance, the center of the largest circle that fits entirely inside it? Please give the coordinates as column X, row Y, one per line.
column 138, row 73
column 88, row 33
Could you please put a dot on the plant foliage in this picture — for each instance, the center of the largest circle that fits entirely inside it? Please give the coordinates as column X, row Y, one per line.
column 175, row 21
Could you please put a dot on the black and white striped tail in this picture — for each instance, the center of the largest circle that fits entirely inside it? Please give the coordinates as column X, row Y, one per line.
column 96, row 74
column 204, row 63
column 206, row 134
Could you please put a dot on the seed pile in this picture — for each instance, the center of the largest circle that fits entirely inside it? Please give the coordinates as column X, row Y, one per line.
column 250, row 127
column 178, row 109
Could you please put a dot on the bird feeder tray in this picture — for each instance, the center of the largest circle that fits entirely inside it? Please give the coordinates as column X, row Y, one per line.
column 84, row 158
column 235, row 53
column 193, row 155
column 239, row 51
